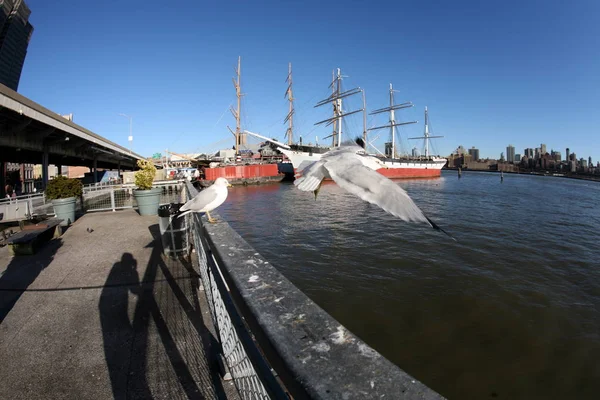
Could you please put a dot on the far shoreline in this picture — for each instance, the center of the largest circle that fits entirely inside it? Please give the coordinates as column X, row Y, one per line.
column 531, row 173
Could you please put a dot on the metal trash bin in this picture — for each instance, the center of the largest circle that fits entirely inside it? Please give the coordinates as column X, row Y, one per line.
column 173, row 231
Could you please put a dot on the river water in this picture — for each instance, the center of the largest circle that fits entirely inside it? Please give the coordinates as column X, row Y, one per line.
column 510, row 311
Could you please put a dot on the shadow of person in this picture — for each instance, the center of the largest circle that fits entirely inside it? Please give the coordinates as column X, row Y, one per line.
column 21, row 272
column 117, row 329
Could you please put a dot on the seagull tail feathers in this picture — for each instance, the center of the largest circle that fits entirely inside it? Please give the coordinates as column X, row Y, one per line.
column 437, row 228
column 183, row 213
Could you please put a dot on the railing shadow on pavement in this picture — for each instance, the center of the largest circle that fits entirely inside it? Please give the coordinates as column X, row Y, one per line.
column 21, row 272
column 164, row 347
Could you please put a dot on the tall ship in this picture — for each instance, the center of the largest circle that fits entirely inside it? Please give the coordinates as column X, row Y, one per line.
column 301, row 155
column 413, row 166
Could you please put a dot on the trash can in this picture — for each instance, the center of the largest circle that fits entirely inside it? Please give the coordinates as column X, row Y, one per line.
column 173, row 231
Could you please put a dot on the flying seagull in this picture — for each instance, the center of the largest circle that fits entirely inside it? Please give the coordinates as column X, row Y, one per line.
column 354, row 171
column 207, row 200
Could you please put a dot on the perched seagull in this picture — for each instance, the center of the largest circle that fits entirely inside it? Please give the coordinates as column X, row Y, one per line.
column 355, row 172
column 207, row 200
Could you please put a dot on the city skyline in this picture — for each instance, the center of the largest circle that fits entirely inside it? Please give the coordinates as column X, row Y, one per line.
column 481, row 84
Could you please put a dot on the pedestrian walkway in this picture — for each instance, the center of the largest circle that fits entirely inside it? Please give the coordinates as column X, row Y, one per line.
column 100, row 313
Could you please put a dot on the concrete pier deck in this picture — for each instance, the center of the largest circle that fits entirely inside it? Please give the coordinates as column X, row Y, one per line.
column 100, row 313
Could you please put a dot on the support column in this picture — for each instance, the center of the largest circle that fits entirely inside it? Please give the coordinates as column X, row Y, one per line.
column 59, row 167
column 119, row 170
column 2, row 179
column 45, row 158
column 95, row 166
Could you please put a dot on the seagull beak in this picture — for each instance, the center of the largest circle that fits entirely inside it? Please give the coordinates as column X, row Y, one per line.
column 229, row 185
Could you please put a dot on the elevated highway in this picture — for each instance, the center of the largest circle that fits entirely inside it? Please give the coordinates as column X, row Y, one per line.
column 31, row 133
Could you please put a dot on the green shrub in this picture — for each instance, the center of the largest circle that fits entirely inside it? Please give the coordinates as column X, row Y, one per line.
column 145, row 175
column 62, row 187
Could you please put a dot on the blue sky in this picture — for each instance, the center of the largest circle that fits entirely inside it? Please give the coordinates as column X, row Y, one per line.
column 491, row 74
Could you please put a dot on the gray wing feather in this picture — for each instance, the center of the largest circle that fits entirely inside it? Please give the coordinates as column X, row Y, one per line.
column 373, row 188
column 201, row 200
column 312, row 176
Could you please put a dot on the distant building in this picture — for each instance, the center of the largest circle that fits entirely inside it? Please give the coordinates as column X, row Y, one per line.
column 573, row 157
column 529, row 152
column 583, row 163
column 510, row 153
column 501, row 157
column 543, row 149
column 567, row 155
column 415, row 152
column 590, row 163
column 15, row 33
column 517, row 158
column 474, row 153
column 461, row 150
column 537, row 154
column 555, row 155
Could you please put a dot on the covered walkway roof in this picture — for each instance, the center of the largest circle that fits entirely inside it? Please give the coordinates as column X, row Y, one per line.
column 29, row 131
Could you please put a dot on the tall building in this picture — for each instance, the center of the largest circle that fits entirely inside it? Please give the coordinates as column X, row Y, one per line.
column 543, row 149
column 517, row 158
column 510, row 153
column 567, row 155
column 474, row 153
column 590, row 161
column 529, row 152
column 15, row 33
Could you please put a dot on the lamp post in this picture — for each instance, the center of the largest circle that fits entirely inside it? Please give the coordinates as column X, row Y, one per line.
column 130, row 138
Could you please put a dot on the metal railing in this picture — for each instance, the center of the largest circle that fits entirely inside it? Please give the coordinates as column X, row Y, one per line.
column 276, row 340
column 104, row 197
column 20, row 207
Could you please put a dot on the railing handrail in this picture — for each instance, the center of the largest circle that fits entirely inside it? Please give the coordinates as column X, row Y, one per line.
column 313, row 354
column 22, row 197
column 93, row 187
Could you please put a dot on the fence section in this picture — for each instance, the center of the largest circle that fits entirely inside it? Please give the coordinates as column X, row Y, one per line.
column 117, row 197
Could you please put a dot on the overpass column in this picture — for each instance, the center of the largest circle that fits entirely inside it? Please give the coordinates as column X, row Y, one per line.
column 2, row 181
column 59, row 167
column 119, row 170
column 95, row 169
column 45, row 167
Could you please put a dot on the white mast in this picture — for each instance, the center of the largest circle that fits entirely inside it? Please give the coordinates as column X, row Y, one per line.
column 336, row 99
column 236, row 112
column 392, row 121
column 392, row 125
column 339, row 107
column 290, row 117
column 426, row 135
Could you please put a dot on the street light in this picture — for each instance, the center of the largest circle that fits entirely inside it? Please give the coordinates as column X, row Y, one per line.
column 130, row 132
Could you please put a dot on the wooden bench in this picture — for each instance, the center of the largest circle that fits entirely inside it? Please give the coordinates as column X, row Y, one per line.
column 32, row 237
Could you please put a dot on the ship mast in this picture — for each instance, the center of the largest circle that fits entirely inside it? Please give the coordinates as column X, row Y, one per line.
column 336, row 99
column 426, row 135
column 236, row 113
column 392, row 125
column 290, row 117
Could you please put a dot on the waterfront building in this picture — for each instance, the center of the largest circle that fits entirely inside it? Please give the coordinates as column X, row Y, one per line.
column 590, row 163
column 15, row 33
column 583, row 163
column 517, row 158
column 543, row 149
column 567, row 155
column 555, row 155
column 510, row 153
column 474, row 153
